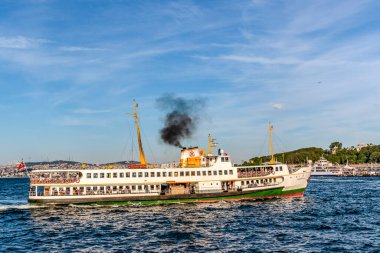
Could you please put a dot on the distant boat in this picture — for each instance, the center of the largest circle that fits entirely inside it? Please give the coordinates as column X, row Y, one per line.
column 348, row 170
column 200, row 176
column 322, row 167
column 348, row 167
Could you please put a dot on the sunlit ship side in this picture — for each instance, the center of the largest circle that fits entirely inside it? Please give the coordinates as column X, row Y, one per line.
column 219, row 181
column 199, row 177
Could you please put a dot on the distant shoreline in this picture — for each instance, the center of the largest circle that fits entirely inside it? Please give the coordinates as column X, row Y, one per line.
column 14, row 177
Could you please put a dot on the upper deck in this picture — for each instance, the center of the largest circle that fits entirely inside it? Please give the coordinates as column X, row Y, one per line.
column 220, row 171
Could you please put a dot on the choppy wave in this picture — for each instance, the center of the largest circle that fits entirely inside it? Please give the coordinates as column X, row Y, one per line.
column 10, row 207
column 336, row 214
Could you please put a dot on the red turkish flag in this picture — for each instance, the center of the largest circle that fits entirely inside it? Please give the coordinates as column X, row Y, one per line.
column 21, row 165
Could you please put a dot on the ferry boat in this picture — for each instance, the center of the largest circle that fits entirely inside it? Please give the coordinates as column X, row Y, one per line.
column 199, row 176
column 322, row 167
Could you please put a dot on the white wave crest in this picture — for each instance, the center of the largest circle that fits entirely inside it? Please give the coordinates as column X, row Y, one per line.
column 18, row 207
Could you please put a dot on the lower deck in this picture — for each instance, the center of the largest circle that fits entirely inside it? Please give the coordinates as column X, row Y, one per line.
column 246, row 185
column 47, row 191
column 269, row 192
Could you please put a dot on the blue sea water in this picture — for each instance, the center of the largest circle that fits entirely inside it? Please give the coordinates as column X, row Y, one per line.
column 336, row 215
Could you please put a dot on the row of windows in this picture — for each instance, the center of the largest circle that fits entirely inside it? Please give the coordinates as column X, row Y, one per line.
column 90, row 190
column 160, row 174
column 127, row 187
column 262, row 181
column 243, row 169
column 224, row 159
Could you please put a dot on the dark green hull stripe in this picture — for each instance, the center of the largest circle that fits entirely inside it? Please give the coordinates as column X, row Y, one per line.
column 264, row 194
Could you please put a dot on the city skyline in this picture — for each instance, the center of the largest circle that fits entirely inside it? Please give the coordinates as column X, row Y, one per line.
column 70, row 71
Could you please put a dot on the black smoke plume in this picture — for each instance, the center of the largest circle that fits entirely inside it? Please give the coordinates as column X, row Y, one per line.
column 181, row 118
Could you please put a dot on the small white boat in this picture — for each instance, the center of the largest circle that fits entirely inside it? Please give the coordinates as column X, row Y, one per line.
column 322, row 167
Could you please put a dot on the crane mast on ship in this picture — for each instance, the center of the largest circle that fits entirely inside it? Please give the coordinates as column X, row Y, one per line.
column 272, row 160
column 211, row 144
column 135, row 115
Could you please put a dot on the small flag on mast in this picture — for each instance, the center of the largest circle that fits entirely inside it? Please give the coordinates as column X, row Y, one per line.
column 21, row 165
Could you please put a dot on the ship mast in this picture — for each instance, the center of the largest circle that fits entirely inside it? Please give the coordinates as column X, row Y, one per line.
column 211, row 144
column 142, row 156
column 272, row 161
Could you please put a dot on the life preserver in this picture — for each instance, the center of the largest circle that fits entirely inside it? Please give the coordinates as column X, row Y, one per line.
column 78, row 181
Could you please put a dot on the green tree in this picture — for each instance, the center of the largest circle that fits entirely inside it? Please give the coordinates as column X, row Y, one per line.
column 375, row 157
column 365, row 155
column 335, row 144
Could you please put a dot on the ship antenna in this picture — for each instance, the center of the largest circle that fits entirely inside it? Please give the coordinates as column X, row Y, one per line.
column 211, row 144
column 272, row 161
column 135, row 115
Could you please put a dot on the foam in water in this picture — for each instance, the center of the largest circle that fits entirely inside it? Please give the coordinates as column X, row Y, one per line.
column 19, row 207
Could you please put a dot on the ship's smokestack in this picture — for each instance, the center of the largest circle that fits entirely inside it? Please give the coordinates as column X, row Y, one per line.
column 181, row 119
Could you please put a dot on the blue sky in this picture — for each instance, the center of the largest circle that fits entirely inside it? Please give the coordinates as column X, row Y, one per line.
column 70, row 70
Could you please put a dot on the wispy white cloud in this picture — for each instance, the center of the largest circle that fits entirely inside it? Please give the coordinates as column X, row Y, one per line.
column 80, row 49
column 325, row 15
column 71, row 121
column 21, row 42
column 260, row 60
column 278, row 106
column 183, row 11
column 146, row 53
column 254, row 59
column 89, row 111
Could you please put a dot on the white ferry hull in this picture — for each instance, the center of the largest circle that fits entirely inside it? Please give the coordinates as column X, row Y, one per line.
column 244, row 187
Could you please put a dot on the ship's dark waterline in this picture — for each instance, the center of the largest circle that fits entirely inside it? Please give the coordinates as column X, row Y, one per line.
column 336, row 215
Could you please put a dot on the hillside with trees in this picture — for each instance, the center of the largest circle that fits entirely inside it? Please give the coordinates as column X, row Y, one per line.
column 336, row 154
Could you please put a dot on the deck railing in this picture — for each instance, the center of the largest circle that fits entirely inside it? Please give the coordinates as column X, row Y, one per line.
column 254, row 174
column 78, row 192
column 55, row 180
column 91, row 192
